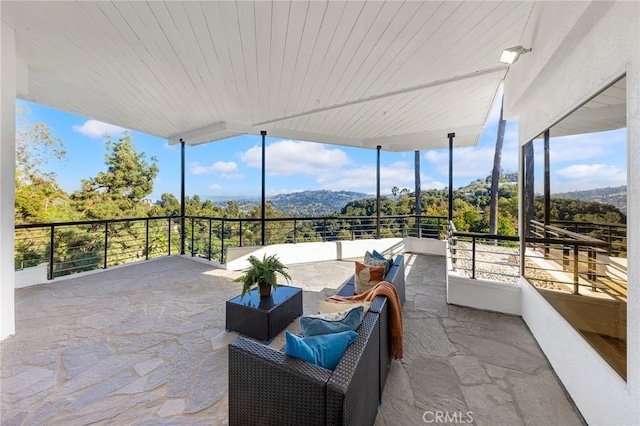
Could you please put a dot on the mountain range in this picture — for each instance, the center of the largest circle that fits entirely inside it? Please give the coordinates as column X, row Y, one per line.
column 616, row 196
column 324, row 203
column 303, row 203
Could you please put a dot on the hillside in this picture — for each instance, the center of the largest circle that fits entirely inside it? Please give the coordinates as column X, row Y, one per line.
column 304, row 203
column 314, row 203
column 615, row 196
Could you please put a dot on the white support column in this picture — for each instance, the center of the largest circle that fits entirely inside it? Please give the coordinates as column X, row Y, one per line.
column 7, row 178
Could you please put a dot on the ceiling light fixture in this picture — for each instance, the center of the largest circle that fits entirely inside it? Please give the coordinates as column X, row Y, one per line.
column 510, row 55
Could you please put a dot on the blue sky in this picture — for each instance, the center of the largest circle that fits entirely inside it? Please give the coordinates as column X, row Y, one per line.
column 232, row 167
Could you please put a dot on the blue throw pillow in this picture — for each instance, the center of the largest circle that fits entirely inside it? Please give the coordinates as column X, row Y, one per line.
column 334, row 322
column 378, row 256
column 324, row 350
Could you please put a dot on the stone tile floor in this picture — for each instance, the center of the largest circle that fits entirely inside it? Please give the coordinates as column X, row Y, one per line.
column 145, row 344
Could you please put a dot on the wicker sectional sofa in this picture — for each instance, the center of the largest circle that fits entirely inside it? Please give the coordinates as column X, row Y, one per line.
column 266, row 387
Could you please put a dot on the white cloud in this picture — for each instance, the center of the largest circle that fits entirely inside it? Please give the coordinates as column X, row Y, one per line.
column 586, row 176
column 196, row 168
column 224, row 167
column 227, row 170
column 363, row 178
column 570, row 149
column 287, row 158
column 97, row 129
column 170, row 147
column 214, row 187
column 474, row 161
column 331, row 168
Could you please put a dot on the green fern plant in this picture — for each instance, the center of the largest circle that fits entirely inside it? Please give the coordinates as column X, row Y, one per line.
column 262, row 272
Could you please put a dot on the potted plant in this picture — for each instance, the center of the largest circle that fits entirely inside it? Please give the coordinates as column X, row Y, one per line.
column 263, row 273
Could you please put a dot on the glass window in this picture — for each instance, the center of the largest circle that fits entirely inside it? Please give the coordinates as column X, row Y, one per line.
column 575, row 206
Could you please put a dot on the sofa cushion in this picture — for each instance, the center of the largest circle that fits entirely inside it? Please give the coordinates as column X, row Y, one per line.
column 367, row 277
column 371, row 260
column 332, row 322
column 325, row 306
column 324, row 350
column 379, row 256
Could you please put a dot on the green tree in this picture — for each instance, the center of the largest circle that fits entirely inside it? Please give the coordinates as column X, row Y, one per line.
column 117, row 192
column 38, row 196
column 232, row 210
column 169, row 206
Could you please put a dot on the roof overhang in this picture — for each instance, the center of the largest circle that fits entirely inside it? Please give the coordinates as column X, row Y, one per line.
column 401, row 75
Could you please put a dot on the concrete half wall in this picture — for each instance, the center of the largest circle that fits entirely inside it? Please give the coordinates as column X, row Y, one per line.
column 483, row 294
column 335, row 250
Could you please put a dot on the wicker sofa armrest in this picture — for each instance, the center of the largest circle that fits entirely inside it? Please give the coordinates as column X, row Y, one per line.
column 267, row 387
column 353, row 388
column 396, row 277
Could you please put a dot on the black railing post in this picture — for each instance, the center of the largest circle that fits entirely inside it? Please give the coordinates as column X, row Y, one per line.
column 295, row 231
column 576, row 270
column 451, row 136
column 106, row 243
column 473, row 258
column 52, row 242
column 210, row 238
column 193, row 245
column 222, row 241
column 418, row 195
column 263, row 133
column 240, row 233
column 182, row 197
column 146, row 249
column 547, row 192
column 353, row 231
column 591, row 265
column 169, row 237
column 378, row 192
column 324, row 230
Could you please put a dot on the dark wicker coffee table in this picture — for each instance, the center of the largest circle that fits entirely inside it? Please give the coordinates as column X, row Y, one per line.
column 264, row 318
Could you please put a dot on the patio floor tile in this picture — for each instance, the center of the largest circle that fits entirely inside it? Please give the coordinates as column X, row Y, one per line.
column 146, row 344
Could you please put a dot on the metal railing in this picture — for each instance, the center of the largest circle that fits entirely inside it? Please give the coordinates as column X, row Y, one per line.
column 71, row 247
column 615, row 234
column 565, row 260
column 554, row 259
column 485, row 256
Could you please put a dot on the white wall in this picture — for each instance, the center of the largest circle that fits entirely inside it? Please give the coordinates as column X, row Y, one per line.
column 578, row 49
column 482, row 294
column 31, row 276
column 600, row 394
column 316, row 252
column 313, row 252
column 426, row 246
column 7, row 177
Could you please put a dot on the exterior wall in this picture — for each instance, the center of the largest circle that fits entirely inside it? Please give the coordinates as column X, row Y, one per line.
column 482, row 294
column 426, row 246
column 31, row 276
column 316, row 252
column 7, row 177
column 578, row 49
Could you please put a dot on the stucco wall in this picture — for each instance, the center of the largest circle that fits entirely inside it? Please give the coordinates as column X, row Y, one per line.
column 578, row 49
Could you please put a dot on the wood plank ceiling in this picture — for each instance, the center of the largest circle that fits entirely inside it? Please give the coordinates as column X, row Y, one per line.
column 397, row 74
